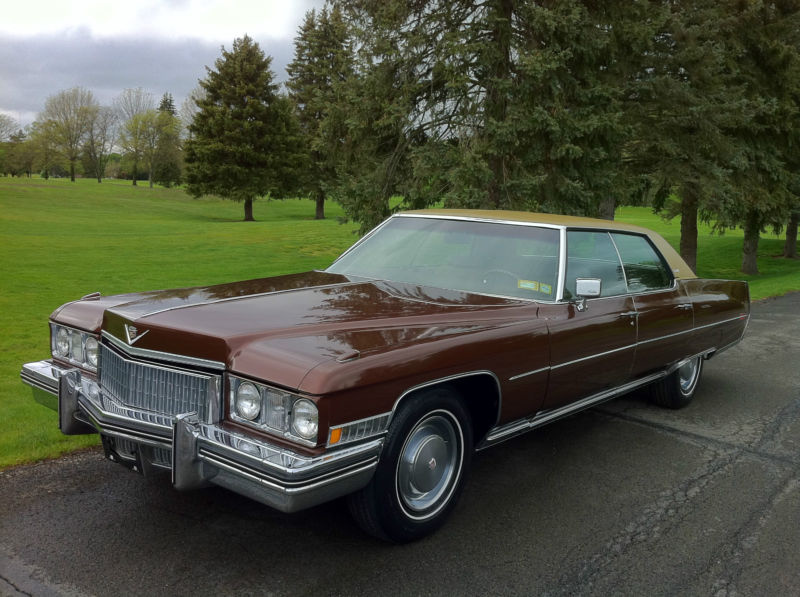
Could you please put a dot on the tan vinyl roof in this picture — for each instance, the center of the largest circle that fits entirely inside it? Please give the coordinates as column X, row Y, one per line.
column 679, row 267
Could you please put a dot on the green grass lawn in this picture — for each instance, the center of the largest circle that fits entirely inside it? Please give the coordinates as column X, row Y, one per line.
column 61, row 240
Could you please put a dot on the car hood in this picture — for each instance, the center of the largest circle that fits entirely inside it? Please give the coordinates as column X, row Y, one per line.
column 281, row 328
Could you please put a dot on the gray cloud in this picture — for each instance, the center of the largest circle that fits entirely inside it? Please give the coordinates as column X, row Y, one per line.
column 33, row 69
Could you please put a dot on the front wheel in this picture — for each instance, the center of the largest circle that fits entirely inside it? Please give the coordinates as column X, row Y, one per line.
column 422, row 469
column 677, row 389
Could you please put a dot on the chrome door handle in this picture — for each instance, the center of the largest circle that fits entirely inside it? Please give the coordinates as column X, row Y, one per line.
column 686, row 306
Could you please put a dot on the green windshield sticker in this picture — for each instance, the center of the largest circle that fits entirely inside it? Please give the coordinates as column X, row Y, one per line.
column 545, row 288
column 528, row 285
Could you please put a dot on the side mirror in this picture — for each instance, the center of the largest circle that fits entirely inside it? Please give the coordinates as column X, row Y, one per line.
column 586, row 288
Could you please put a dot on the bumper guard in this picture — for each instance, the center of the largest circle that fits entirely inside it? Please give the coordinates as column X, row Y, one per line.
column 201, row 453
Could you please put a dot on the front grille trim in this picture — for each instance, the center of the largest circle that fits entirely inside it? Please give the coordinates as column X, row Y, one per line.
column 156, row 388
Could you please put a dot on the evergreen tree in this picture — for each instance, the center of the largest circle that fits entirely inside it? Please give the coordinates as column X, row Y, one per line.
column 245, row 140
column 493, row 104
column 167, row 104
column 167, row 156
column 681, row 102
column 765, row 172
column 322, row 61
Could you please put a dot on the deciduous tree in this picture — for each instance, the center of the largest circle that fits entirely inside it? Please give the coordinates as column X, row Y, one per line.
column 8, row 126
column 100, row 139
column 70, row 113
column 131, row 104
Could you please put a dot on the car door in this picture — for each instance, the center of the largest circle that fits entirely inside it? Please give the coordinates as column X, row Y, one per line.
column 591, row 350
column 664, row 310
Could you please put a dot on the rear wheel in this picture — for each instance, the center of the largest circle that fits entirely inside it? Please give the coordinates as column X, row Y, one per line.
column 678, row 388
column 422, row 469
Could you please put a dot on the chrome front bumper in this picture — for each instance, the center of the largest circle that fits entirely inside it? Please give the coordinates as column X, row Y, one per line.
column 198, row 453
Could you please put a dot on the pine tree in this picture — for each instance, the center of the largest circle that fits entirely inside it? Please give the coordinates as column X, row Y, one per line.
column 494, row 104
column 167, row 156
column 167, row 104
column 245, row 141
column 681, row 101
column 765, row 172
column 322, row 62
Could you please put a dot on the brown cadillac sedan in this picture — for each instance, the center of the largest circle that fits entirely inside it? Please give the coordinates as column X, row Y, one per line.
column 439, row 333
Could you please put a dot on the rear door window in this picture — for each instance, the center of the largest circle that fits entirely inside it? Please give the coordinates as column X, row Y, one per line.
column 645, row 270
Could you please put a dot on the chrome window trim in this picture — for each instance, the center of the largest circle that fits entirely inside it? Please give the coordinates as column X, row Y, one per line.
column 621, row 264
column 475, row 219
column 634, row 294
column 161, row 356
column 360, row 241
column 661, row 258
column 562, row 263
column 561, row 253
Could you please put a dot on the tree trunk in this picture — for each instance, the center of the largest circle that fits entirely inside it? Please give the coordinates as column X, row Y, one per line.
column 689, row 226
column 607, row 207
column 790, row 247
column 135, row 174
column 72, row 171
column 248, row 210
column 752, row 229
column 320, row 213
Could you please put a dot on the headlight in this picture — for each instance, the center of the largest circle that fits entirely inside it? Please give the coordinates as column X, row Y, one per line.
column 90, row 349
column 273, row 410
column 77, row 347
column 62, row 342
column 248, row 401
column 305, row 419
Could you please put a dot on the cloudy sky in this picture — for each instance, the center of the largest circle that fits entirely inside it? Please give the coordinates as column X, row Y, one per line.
column 106, row 46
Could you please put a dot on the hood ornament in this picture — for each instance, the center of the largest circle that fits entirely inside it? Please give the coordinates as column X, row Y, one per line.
column 132, row 334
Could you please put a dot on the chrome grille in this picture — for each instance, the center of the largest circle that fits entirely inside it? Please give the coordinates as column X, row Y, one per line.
column 153, row 387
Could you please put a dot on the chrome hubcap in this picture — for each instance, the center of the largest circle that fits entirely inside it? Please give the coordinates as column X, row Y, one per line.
column 428, row 465
column 688, row 374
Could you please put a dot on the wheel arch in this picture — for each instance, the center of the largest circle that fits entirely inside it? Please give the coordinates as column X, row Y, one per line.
column 479, row 390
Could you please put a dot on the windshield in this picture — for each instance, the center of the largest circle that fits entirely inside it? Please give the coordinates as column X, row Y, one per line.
column 482, row 257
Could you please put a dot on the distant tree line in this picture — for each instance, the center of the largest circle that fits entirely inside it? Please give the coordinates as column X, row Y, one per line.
column 577, row 107
column 74, row 135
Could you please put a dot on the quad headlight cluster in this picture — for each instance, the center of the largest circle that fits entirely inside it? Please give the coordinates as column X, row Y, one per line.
column 77, row 347
column 273, row 410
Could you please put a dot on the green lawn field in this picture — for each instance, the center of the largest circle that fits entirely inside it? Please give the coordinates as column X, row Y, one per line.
column 61, row 240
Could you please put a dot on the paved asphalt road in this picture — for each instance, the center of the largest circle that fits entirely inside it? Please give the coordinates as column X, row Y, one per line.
column 623, row 499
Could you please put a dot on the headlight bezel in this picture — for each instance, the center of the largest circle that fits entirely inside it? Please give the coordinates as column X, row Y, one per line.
column 69, row 344
column 277, row 411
